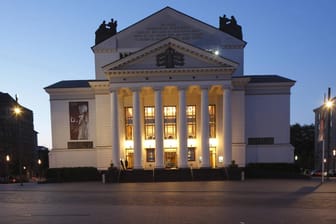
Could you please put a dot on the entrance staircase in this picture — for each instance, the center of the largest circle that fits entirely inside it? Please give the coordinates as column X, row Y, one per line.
column 161, row 175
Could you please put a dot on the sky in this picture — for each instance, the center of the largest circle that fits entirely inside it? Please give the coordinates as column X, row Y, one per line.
column 43, row 42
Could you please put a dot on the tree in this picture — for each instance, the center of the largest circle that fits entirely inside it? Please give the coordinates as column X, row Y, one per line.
column 302, row 138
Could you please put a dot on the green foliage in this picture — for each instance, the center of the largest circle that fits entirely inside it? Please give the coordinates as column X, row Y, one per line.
column 302, row 138
column 73, row 174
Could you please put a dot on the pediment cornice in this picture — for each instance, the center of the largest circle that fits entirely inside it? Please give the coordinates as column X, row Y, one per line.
column 184, row 48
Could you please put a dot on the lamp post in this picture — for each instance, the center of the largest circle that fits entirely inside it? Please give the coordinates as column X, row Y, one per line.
column 7, row 166
column 39, row 162
column 329, row 105
column 325, row 161
column 17, row 113
column 334, row 154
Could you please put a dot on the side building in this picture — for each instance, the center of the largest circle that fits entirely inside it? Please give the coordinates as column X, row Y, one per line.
column 170, row 92
column 18, row 139
column 325, row 132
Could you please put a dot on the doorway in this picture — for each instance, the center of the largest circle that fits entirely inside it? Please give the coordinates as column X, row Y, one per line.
column 170, row 159
column 212, row 157
column 130, row 159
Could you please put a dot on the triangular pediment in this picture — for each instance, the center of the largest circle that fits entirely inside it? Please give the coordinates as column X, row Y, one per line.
column 167, row 23
column 170, row 54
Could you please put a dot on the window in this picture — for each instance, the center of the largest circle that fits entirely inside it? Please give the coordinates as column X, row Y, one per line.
column 212, row 121
column 150, row 155
column 191, row 121
column 149, row 123
column 191, row 154
column 170, row 122
column 128, row 123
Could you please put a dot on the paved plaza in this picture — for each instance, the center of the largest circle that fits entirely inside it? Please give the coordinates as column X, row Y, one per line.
column 241, row 202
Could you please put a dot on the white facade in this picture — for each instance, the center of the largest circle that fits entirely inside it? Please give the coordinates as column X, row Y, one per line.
column 231, row 117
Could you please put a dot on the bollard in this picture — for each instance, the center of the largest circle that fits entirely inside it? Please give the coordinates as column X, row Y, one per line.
column 103, row 178
column 242, row 175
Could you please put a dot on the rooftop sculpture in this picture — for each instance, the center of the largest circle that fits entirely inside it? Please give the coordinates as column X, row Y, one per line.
column 230, row 26
column 106, row 31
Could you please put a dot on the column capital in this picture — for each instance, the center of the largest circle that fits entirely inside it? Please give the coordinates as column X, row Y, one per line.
column 182, row 87
column 136, row 89
column 205, row 87
column 157, row 88
column 227, row 86
column 114, row 89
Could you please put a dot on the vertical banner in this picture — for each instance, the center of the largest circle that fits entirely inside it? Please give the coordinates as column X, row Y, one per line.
column 79, row 119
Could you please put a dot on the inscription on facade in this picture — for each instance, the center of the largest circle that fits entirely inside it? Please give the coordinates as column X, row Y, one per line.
column 155, row 33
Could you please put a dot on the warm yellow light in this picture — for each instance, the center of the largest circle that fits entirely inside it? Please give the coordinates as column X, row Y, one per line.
column 17, row 110
column 170, row 143
column 149, row 144
column 129, row 144
column 7, row 158
column 192, row 142
column 39, row 161
column 212, row 142
column 329, row 104
column 334, row 152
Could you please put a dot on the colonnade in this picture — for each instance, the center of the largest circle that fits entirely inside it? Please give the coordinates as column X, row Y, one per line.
column 225, row 139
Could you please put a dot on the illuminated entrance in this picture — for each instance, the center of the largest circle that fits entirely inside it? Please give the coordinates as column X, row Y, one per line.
column 170, row 158
column 130, row 158
column 213, row 157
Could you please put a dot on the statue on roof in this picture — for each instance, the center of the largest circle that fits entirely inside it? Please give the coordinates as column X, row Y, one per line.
column 106, row 31
column 230, row 26
column 112, row 27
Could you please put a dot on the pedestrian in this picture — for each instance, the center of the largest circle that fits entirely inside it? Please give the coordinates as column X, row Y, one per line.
column 126, row 163
column 122, row 164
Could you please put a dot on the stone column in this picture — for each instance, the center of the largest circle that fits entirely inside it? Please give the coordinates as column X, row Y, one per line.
column 227, row 125
column 115, row 128
column 183, row 146
column 205, row 127
column 137, row 130
column 158, row 129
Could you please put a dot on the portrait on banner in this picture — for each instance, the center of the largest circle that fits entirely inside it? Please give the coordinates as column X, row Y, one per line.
column 79, row 120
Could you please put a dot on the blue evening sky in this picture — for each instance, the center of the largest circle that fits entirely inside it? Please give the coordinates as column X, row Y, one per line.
column 43, row 42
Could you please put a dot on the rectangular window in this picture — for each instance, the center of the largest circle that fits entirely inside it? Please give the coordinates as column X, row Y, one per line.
column 191, row 154
column 261, row 141
column 169, row 114
column 191, row 121
column 149, row 123
column 150, row 155
column 128, row 123
column 212, row 121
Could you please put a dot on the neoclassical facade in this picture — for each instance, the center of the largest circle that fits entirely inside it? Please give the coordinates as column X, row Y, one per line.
column 170, row 92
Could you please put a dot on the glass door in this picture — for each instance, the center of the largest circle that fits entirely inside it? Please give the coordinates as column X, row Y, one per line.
column 170, row 159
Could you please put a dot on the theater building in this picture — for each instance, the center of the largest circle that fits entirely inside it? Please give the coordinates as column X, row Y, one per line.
column 170, row 92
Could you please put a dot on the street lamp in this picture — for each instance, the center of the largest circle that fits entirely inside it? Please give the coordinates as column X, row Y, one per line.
column 7, row 166
column 325, row 161
column 334, row 154
column 39, row 162
column 17, row 110
column 17, row 113
column 329, row 105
